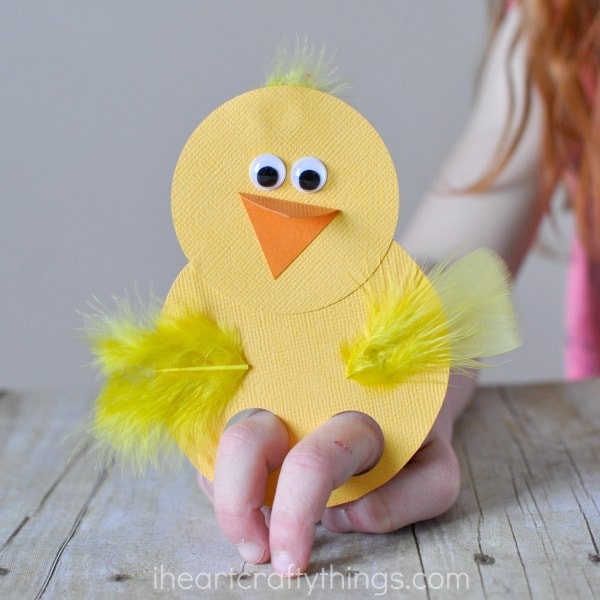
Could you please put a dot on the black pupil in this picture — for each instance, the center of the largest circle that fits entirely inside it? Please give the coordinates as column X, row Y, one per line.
column 309, row 180
column 267, row 176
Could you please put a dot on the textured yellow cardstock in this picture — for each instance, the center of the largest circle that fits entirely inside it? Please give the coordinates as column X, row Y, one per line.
column 292, row 326
column 211, row 221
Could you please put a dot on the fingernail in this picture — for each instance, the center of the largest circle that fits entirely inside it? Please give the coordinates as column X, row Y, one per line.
column 285, row 563
column 337, row 520
column 251, row 552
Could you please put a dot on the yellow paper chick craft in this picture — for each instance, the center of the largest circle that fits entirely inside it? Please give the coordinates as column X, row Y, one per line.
column 295, row 299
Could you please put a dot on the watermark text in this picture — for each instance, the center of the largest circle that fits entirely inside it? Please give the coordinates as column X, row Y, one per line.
column 379, row 583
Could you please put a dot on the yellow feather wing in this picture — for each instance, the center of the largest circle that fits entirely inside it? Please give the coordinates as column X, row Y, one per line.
column 461, row 313
column 168, row 382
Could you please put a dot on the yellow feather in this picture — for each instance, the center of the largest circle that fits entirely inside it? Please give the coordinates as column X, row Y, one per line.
column 168, row 382
column 475, row 292
column 462, row 313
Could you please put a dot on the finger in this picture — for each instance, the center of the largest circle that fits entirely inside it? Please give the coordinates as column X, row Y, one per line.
column 347, row 444
column 248, row 450
column 205, row 484
column 425, row 488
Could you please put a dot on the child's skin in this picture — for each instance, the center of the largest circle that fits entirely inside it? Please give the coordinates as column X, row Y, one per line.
column 503, row 218
column 347, row 444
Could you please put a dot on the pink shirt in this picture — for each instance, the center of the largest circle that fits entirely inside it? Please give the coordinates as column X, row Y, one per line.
column 582, row 343
column 582, row 340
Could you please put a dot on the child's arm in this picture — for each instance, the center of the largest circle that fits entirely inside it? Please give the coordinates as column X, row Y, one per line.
column 504, row 218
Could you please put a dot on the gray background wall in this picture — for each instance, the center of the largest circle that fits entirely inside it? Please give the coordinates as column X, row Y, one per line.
column 98, row 97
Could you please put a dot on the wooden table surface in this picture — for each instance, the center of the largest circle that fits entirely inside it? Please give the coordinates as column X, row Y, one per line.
column 526, row 524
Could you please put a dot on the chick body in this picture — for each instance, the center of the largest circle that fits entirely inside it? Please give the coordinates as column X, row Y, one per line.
column 297, row 371
column 292, row 326
column 332, row 314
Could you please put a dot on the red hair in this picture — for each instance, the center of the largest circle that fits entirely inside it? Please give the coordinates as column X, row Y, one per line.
column 563, row 66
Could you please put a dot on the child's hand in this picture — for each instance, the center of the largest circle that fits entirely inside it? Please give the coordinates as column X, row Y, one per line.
column 349, row 443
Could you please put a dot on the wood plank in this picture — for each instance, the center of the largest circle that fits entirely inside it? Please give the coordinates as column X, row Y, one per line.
column 38, row 433
column 560, row 490
column 526, row 523
column 97, row 534
column 531, row 525
column 159, row 528
column 45, row 487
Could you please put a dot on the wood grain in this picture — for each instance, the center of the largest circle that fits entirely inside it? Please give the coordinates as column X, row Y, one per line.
column 526, row 523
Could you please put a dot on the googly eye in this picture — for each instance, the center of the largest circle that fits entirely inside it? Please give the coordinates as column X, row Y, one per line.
column 267, row 171
column 309, row 174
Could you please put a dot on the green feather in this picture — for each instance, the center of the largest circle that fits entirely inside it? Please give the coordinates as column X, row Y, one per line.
column 305, row 67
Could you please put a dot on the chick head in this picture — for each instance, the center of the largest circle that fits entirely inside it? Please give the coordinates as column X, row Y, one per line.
column 285, row 199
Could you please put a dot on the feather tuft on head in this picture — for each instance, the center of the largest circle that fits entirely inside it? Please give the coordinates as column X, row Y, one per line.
column 304, row 66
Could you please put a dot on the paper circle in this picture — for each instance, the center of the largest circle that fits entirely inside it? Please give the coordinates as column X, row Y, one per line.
column 297, row 372
column 288, row 122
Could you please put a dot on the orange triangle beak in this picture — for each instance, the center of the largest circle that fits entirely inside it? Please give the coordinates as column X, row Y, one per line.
column 285, row 229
